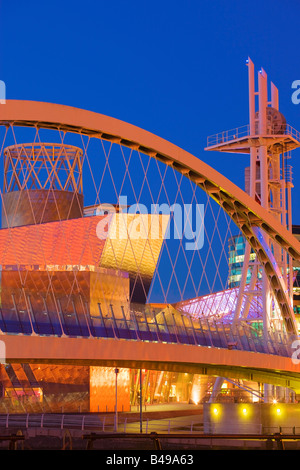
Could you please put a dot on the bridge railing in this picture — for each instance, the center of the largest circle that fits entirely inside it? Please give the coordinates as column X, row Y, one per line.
column 171, row 328
column 99, row 423
column 161, row 325
column 102, row 424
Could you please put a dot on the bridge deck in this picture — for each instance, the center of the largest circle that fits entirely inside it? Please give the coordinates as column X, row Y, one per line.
column 258, row 367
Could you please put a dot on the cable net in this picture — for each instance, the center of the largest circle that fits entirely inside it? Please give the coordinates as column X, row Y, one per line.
column 91, row 229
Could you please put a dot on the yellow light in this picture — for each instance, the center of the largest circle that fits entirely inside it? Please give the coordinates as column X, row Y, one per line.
column 215, row 411
column 245, row 410
column 278, row 411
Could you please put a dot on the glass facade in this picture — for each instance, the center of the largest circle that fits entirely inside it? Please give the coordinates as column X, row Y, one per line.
column 42, row 388
column 236, row 249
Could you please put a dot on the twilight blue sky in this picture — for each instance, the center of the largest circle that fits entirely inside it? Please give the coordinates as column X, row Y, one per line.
column 175, row 68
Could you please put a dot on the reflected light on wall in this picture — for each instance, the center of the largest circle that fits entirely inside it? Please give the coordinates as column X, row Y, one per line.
column 103, row 390
column 195, row 396
column 196, row 390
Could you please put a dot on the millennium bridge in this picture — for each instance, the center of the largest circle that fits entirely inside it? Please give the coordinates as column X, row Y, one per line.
column 204, row 284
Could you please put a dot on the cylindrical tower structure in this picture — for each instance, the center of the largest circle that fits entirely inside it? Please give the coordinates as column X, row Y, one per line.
column 42, row 183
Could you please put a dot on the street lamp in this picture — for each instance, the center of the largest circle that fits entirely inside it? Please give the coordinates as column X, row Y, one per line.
column 116, row 405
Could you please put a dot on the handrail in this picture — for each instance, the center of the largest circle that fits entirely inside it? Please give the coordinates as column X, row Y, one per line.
column 157, row 430
column 100, row 422
column 126, row 425
column 228, row 135
column 244, row 131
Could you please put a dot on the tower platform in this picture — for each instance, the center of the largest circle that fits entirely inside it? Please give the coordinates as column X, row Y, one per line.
column 240, row 140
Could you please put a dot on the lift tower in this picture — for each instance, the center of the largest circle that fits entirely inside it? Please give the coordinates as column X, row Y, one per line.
column 268, row 140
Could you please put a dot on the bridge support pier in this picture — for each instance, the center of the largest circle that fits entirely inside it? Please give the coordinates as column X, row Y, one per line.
column 268, row 393
column 250, row 418
column 216, row 389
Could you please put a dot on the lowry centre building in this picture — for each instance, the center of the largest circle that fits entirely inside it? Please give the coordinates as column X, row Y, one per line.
column 62, row 272
column 75, row 270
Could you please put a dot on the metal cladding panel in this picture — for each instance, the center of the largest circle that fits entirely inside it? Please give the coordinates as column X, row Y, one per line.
column 58, row 269
column 27, row 207
column 69, row 242
column 48, row 302
column 40, row 388
column 84, row 242
column 134, row 243
column 103, row 391
column 109, row 288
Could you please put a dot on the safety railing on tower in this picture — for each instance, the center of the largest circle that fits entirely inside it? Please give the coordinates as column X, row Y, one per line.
column 244, row 131
column 228, row 135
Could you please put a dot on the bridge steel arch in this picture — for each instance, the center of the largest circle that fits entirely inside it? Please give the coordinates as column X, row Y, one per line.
column 249, row 216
